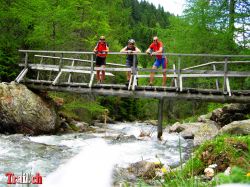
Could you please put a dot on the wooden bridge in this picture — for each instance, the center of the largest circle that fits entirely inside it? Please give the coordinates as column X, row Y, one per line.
column 72, row 71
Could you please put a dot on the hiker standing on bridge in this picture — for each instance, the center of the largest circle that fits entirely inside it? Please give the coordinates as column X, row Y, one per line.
column 156, row 48
column 130, row 49
column 101, row 49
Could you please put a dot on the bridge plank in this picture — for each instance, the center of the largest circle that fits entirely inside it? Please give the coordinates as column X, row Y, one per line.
column 146, row 94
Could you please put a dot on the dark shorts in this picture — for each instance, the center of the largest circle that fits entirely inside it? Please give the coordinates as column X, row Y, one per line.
column 100, row 61
column 129, row 63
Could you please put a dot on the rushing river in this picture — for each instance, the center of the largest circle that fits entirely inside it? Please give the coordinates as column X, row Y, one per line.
column 45, row 154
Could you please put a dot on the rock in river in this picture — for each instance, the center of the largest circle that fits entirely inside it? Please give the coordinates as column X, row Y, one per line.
column 22, row 111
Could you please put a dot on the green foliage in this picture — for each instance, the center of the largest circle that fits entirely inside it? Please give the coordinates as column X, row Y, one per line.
column 129, row 109
column 213, row 106
column 229, row 147
column 75, row 106
column 238, row 175
column 187, row 176
column 77, row 25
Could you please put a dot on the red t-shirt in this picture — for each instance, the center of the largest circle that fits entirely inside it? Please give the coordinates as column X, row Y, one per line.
column 101, row 47
column 155, row 47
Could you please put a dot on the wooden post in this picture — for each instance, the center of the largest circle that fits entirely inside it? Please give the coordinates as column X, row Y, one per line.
column 225, row 76
column 160, row 117
column 175, row 80
column 70, row 74
column 92, row 74
column 216, row 82
column 179, row 74
column 60, row 62
column 134, row 73
column 38, row 72
column 26, row 60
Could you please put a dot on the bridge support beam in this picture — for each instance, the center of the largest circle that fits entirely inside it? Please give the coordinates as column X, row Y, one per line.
column 160, row 118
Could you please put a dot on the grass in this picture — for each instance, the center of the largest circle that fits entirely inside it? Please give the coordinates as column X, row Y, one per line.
column 236, row 149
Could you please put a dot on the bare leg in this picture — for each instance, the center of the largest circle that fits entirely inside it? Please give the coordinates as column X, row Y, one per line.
column 103, row 74
column 128, row 75
column 152, row 74
column 164, row 67
column 98, row 74
column 164, row 79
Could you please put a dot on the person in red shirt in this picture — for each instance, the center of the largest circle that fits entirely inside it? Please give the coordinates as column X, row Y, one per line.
column 101, row 49
column 156, row 48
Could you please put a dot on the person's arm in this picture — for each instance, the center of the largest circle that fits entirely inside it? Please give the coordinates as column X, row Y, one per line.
column 107, row 50
column 137, row 50
column 124, row 49
column 160, row 50
column 149, row 50
column 95, row 49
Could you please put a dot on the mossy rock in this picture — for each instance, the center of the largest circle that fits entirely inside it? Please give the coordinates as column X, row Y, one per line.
column 224, row 151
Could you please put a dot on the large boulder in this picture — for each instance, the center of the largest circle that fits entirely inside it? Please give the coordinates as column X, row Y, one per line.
column 147, row 170
column 198, row 131
column 230, row 113
column 207, row 131
column 205, row 118
column 178, row 127
column 22, row 111
column 191, row 130
column 237, row 127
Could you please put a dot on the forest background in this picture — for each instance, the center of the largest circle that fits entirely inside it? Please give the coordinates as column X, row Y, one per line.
column 206, row 26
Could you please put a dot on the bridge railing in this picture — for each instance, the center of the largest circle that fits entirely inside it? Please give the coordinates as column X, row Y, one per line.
column 178, row 73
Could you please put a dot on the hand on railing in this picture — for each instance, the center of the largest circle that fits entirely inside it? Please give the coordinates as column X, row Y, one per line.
column 100, row 52
column 151, row 53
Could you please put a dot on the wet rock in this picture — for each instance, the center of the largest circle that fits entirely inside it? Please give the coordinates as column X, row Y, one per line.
column 124, row 138
column 178, row 127
column 191, row 129
column 22, row 111
column 122, row 174
column 64, row 125
column 81, row 126
column 206, row 131
column 199, row 131
column 237, row 108
column 151, row 122
column 230, row 113
column 237, row 127
column 144, row 133
column 187, row 135
column 144, row 169
column 205, row 118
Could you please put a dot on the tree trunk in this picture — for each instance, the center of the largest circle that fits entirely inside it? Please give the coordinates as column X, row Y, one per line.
column 231, row 24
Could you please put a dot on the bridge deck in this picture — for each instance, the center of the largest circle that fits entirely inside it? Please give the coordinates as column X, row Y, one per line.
column 148, row 92
column 55, row 73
